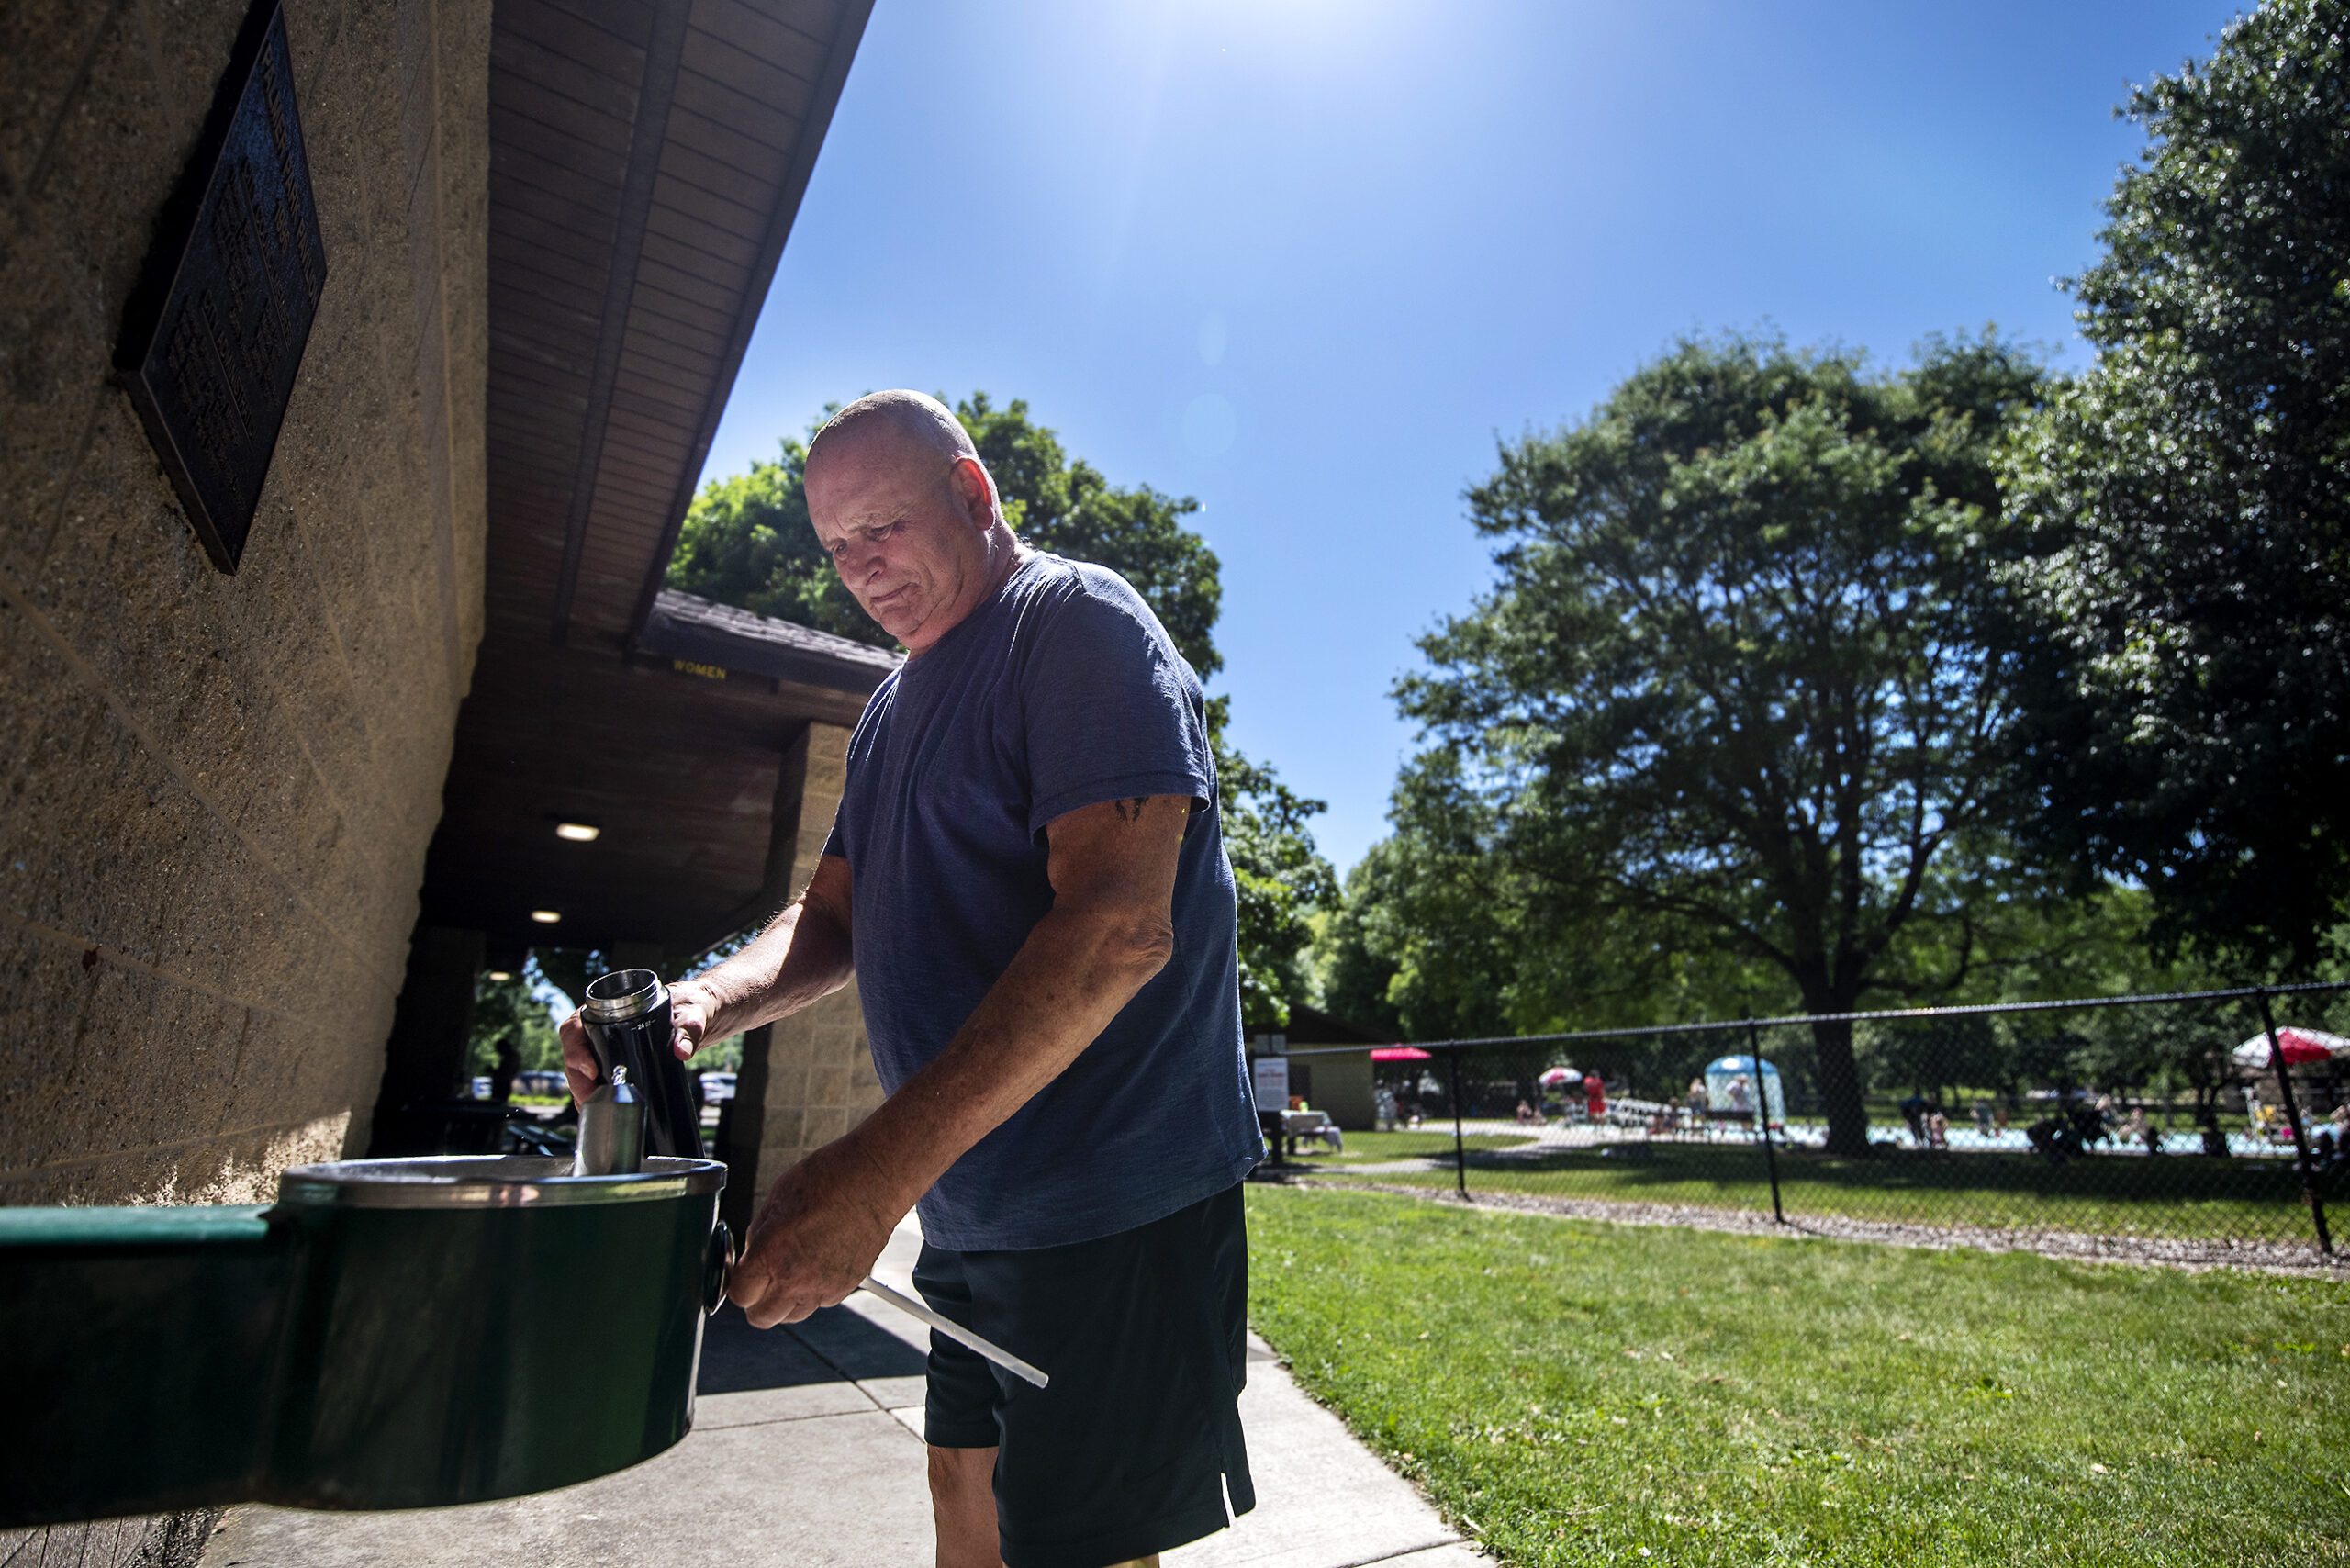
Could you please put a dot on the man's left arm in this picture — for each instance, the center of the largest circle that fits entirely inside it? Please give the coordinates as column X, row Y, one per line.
column 1111, row 929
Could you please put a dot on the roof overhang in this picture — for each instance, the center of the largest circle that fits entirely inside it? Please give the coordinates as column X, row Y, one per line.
column 646, row 163
column 719, row 636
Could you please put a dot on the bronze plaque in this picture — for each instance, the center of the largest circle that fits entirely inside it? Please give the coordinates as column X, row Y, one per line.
column 211, row 360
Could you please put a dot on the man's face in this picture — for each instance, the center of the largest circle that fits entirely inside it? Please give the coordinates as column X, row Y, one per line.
column 906, row 528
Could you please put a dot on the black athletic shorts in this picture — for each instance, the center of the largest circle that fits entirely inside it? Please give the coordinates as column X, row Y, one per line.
column 1134, row 1446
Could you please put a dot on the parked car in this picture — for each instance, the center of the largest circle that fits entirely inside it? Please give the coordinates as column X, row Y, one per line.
column 717, row 1086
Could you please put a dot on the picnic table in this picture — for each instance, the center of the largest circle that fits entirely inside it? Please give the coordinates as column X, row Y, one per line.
column 1296, row 1125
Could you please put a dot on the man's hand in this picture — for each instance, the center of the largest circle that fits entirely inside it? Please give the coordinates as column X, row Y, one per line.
column 580, row 1067
column 803, row 955
column 825, row 1221
column 690, row 1011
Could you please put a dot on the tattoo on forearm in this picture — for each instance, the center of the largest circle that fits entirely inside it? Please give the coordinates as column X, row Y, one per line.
column 1131, row 810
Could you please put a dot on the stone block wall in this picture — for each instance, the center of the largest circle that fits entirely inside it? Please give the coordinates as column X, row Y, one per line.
column 820, row 1080
column 816, row 1081
column 215, row 791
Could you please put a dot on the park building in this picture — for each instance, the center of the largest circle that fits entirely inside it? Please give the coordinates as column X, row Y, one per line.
column 360, row 360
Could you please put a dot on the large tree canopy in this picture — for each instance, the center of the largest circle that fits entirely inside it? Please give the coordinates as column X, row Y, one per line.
column 2185, row 506
column 1729, row 694
column 748, row 542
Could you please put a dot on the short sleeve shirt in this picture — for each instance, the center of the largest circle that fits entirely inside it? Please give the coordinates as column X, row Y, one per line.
column 1059, row 692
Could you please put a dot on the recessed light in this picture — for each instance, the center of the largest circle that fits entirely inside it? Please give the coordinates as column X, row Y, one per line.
column 499, row 975
column 546, row 917
column 577, row 832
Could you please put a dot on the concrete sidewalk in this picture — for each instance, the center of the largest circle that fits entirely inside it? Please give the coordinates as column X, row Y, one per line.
column 807, row 1449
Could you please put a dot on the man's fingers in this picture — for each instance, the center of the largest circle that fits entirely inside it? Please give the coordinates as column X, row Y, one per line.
column 764, row 1306
column 768, row 1314
column 688, row 1022
column 580, row 1067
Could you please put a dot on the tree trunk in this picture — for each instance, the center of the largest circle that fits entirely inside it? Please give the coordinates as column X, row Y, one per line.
column 1840, row 1088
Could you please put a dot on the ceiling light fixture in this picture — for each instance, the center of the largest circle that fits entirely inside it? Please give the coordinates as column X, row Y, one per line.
column 577, row 832
column 546, row 917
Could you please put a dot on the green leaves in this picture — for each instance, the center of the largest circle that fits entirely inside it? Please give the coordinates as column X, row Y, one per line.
column 747, row 541
column 1070, row 510
column 1280, row 880
column 1729, row 697
column 2179, row 518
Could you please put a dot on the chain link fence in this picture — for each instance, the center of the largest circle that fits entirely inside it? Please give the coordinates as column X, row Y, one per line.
column 2209, row 1125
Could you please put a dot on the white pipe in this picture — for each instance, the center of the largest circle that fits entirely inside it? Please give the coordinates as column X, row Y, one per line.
column 955, row 1332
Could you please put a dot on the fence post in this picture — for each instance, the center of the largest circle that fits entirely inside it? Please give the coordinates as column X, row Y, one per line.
column 1763, row 1114
column 1460, row 1150
column 2293, row 1119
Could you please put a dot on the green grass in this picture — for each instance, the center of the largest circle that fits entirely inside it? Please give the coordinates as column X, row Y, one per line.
column 1572, row 1392
column 2171, row 1195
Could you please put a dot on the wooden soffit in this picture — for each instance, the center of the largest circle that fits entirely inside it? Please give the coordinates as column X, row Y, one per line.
column 646, row 162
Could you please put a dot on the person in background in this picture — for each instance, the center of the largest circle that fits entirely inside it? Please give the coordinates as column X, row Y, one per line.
column 1595, row 1096
column 501, row 1077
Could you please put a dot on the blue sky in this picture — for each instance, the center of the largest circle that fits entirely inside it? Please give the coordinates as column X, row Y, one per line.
column 1305, row 260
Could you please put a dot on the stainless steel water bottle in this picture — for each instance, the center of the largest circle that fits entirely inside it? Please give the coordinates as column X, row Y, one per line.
column 627, row 1017
column 611, row 1130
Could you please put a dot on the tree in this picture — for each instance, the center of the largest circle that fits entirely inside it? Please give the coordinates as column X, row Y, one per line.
column 1424, row 943
column 748, row 542
column 1354, row 962
column 1440, row 937
column 1068, row 507
column 1280, row 880
column 2183, row 594
column 1728, row 692
column 504, row 1009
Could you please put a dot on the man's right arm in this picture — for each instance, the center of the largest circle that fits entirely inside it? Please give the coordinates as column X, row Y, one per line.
column 803, row 955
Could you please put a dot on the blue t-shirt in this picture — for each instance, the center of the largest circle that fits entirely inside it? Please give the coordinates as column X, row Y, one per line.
column 1061, row 691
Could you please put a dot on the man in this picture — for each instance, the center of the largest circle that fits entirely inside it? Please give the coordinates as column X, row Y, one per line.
column 502, row 1074
column 1027, row 880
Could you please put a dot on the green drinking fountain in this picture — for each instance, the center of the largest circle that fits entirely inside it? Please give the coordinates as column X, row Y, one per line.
column 390, row 1334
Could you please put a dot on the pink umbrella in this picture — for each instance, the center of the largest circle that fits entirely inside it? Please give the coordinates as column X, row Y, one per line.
column 1399, row 1053
column 1554, row 1076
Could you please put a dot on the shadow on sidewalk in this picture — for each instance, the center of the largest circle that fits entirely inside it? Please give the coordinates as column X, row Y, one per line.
column 835, row 1345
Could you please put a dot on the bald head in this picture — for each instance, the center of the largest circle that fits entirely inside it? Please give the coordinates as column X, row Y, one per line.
column 908, row 421
column 909, row 514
